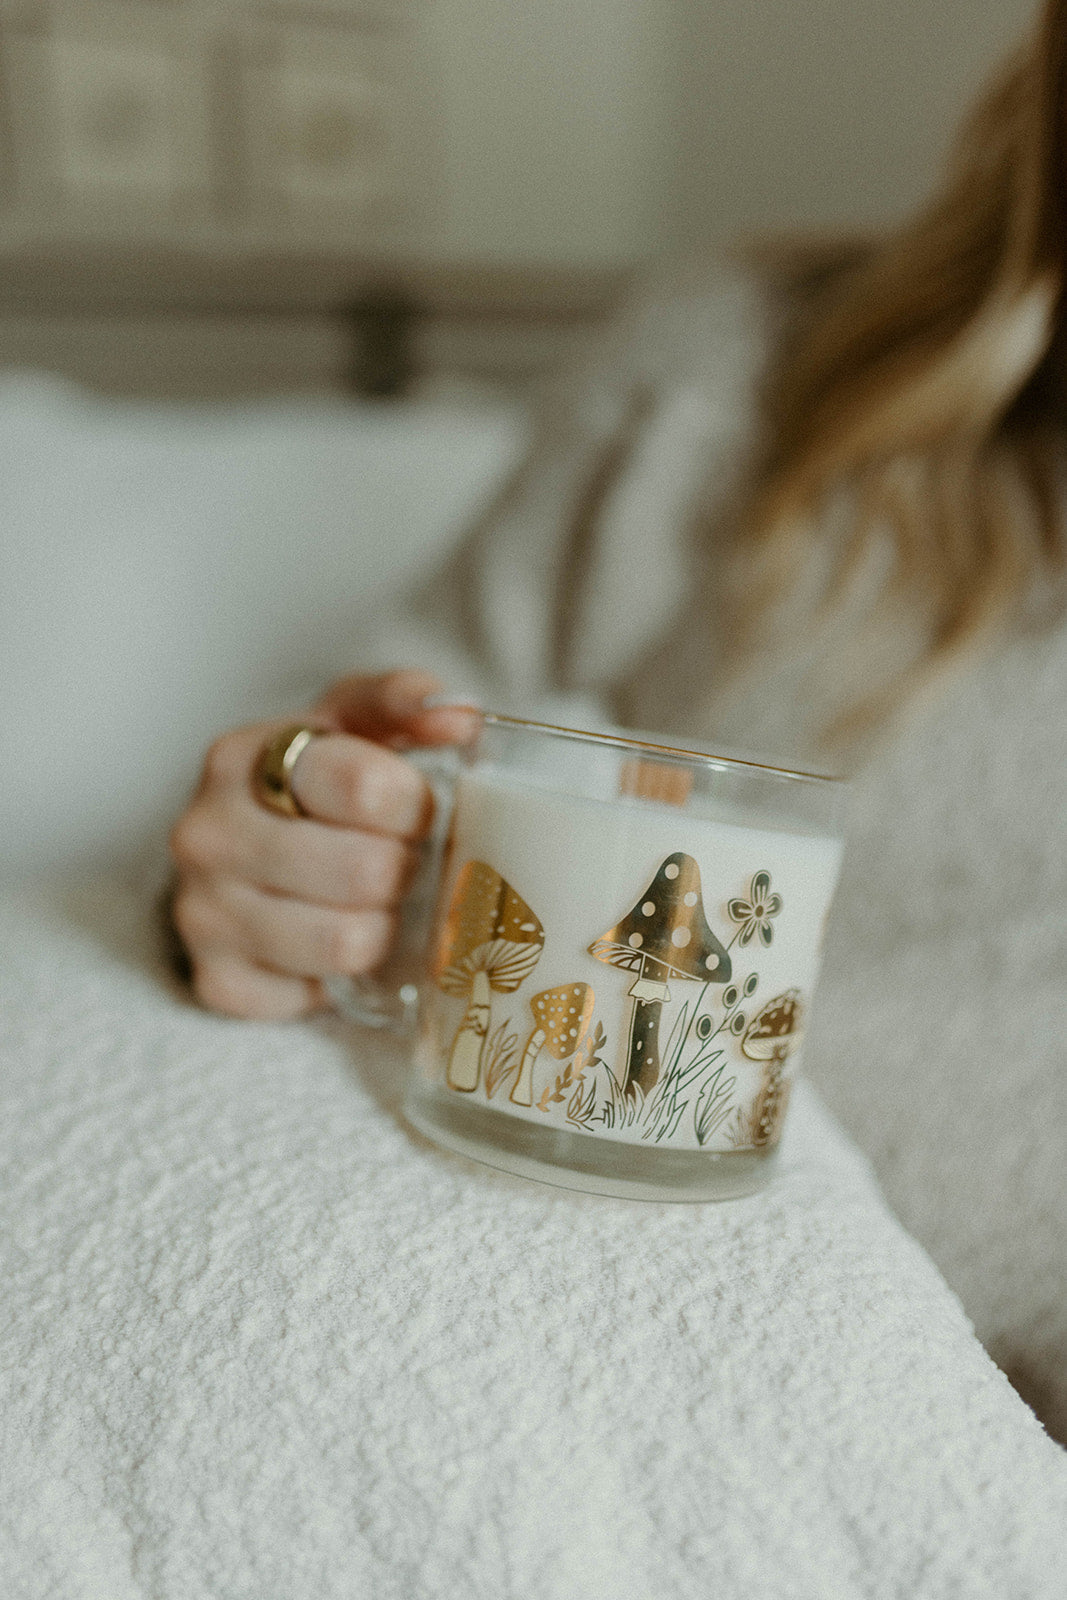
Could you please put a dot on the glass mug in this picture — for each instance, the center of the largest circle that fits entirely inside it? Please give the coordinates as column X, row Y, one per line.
column 606, row 964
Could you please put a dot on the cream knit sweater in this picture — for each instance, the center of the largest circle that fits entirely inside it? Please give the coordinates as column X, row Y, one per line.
column 939, row 1028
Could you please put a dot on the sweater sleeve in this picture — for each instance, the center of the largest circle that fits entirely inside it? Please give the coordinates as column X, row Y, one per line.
column 585, row 558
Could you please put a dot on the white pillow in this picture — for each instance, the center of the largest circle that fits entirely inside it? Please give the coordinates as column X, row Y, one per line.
column 169, row 570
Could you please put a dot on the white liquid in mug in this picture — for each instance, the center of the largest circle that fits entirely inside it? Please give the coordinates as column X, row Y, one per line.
column 642, row 975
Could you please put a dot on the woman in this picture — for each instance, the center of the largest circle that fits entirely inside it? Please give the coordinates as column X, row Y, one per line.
column 911, row 424
column 783, row 507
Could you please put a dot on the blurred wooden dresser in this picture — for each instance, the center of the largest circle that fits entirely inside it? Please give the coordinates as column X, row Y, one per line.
column 212, row 196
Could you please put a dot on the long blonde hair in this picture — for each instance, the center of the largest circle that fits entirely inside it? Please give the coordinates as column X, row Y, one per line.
column 917, row 381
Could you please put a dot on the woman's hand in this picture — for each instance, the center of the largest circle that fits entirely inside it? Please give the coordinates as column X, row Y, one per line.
column 266, row 905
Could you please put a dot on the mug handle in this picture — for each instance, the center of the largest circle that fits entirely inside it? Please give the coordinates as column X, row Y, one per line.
column 388, row 999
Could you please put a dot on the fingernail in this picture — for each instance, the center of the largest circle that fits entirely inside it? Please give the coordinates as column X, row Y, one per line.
column 402, row 697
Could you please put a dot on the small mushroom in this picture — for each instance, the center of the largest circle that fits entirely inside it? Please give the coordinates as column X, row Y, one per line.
column 771, row 1037
column 665, row 935
column 491, row 941
column 561, row 1017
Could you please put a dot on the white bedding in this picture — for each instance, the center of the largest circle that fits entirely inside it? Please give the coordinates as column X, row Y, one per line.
column 258, row 1340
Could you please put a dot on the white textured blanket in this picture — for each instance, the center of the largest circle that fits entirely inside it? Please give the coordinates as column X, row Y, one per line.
column 258, row 1340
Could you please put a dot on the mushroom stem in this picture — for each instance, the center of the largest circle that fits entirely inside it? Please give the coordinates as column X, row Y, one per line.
column 642, row 1054
column 465, row 1062
column 522, row 1089
column 769, row 1101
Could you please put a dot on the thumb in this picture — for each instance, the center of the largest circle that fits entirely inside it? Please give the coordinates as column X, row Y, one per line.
column 391, row 708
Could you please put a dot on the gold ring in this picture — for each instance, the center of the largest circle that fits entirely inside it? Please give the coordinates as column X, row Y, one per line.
column 272, row 777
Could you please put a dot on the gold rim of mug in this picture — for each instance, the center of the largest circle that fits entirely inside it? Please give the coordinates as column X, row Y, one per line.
column 624, row 742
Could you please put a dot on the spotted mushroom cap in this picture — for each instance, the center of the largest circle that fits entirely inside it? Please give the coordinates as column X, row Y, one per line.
column 563, row 1015
column 774, row 1028
column 666, row 935
column 489, row 929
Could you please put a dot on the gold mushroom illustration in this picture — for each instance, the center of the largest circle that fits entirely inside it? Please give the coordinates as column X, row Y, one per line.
column 666, row 935
column 491, row 941
column 771, row 1037
column 561, row 1017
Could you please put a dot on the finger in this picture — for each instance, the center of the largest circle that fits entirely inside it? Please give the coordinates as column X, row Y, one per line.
column 236, row 838
column 329, row 866
column 221, row 915
column 353, row 783
column 238, row 989
column 336, row 778
column 392, row 708
column 377, row 706
column 441, row 725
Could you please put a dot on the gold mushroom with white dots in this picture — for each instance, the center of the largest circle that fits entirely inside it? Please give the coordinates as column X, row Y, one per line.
column 771, row 1037
column 491, row 941
column 665, row 935
column 561, row 1017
